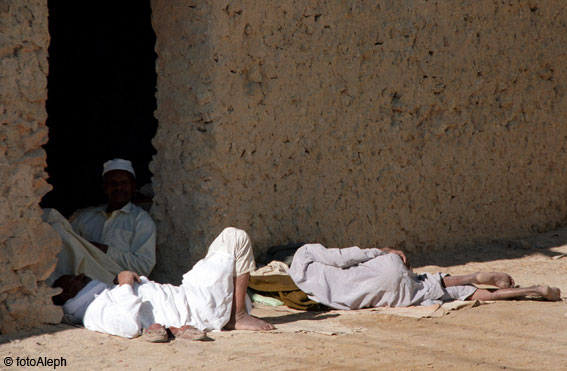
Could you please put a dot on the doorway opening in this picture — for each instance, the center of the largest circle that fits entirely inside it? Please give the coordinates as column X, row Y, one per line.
column 101, row 96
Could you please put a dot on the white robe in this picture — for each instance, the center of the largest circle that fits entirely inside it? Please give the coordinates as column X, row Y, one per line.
column 204, row 300
column 129, row 232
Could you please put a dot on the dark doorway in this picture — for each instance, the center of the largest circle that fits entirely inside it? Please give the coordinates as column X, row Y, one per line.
column 101, row 96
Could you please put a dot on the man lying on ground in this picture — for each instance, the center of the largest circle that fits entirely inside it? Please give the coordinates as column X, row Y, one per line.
column 212, row 296
column 102, row 241
column 354, row 278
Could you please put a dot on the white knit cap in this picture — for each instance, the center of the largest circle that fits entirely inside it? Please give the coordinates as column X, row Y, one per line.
column 118, row 164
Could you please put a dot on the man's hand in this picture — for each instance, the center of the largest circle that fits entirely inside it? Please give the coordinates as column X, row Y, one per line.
column 400, row 253
column 100, row 246
column 128, row 278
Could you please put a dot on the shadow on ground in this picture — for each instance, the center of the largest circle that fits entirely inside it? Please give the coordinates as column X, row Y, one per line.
column 300, row 316
column 544, row 243
column 47, row 329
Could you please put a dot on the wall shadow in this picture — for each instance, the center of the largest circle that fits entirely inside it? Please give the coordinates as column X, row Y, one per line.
column 544, row 243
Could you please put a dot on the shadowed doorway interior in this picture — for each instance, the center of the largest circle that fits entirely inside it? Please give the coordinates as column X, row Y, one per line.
column 101, row 96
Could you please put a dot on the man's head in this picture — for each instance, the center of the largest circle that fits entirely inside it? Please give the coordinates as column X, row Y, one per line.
column 118, row 183
column 71, row 285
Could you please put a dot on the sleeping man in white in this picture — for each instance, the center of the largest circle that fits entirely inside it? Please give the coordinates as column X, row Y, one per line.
column 212, row 296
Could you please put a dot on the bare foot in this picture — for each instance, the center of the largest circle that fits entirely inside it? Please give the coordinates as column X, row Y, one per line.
column 550, row 293
column 245, row 321
column 502, row 280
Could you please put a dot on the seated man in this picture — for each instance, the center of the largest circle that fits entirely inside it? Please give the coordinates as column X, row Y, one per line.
column 212, row 296
column 105, row 240
column 354, row 278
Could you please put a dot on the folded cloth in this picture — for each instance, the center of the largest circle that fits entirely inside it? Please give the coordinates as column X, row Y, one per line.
column 266, row 300
column 281, row 286
column 274, row 267
column 78, row 255
column 430, row 311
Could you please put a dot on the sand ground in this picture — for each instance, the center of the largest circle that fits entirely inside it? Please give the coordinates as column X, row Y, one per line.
column 518, row 335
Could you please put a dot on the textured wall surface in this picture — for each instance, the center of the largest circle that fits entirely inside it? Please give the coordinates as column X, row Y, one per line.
column 411, row 123
column 28, row 246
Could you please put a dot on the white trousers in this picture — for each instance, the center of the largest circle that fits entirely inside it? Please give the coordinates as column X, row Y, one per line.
column 235, row 243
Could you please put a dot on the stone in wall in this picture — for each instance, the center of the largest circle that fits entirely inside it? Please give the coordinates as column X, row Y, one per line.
column 418, row 124
column 28, row 246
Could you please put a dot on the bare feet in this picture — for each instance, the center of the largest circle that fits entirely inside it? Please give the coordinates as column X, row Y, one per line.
column 244, row 321
column 550, row 293
column 498, row 279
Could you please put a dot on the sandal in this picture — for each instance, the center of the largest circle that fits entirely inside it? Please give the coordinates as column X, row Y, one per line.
column 188, row 332
column 155, row 335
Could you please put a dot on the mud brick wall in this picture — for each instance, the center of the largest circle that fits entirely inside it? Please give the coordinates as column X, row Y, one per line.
column 28, row 246
column 420, row 124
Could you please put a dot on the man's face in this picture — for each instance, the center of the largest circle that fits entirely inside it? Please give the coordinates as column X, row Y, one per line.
column 119, row 186
column 71, row 286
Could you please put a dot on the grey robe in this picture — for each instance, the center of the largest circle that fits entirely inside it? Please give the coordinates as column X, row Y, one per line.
column 354, row 278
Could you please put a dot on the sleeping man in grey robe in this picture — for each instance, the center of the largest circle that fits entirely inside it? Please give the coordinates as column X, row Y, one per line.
column 354, row 278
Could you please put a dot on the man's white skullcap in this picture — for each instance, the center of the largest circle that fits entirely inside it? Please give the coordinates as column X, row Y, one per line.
column 118, row 164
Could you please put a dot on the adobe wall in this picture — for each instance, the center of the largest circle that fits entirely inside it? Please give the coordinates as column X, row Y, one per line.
column 27, row 245
column 419, row 124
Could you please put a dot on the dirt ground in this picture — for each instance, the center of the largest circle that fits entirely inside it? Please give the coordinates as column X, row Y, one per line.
column 518, row 335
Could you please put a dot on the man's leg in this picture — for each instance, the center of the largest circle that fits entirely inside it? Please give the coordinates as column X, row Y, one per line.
column 239, row 317
column 504, row 282
column 498, row 279
column 236, row 243
column 548, row 293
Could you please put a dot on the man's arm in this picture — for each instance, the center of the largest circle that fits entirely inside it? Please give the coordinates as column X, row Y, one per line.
column 389, row 250
column 127, row 278
column 141, row 256
column 116, row 311
column 76, row 222
column 341, row 258
column 134, row 251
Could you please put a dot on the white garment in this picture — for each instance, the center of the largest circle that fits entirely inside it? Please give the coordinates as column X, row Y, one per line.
column 130, row 234
column 76, row 307
column 236, row 243
column 204, row 299
column 115, row 311
column 78, row 255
